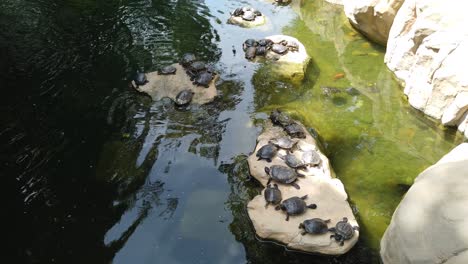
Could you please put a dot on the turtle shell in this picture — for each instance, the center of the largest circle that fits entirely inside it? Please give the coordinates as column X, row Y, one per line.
column 316, row 226
column 279, row 49
column 203, row 79
column 267, row 152
column 167, row 70
column 187, row 59
column 280, row 118
column 344, row 229
column 249, row 43
column 250, row 53
column 261, row 51
column 295, row 130
column 311, row 157
column 140, row 78
column 184, row 97
column 282, row 174
column 238, row 12
column 294, row 205
column 293, row 162
column 283, row 142
column 272, row 194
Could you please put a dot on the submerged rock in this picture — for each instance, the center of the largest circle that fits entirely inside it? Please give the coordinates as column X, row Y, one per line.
column 160, row 86
column 321, row 189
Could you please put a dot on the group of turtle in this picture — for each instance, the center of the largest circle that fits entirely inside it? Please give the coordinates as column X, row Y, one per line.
column 253, row 48
column 247, row 13
column 199, row 72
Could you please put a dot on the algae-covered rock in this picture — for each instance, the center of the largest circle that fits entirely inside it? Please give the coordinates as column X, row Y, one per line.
column 160, row 86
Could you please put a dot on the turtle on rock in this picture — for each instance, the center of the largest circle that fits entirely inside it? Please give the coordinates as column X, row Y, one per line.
column 184, row 97
column 343, row 231
column 167, row 70
column 295, row 130
column 283, row 174
column 203, row 79
column 187, row 59
column 284, row 143
column 272, row 195
column 315, row 226
column 280, row 118
column 295, row 206
column 267, row 152
column 140, row 78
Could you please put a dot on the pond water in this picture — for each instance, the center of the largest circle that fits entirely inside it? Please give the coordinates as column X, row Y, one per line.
column 99, row 173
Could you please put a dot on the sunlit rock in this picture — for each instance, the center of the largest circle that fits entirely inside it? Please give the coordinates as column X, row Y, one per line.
column 320, row 186
column 239, row 21
column 431, row 223
column 427, row 50
column 372, row 17
column 160, row 86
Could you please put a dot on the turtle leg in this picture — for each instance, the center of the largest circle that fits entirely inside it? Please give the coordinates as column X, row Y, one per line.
column 327, row 221
column 287, row 217
column 278, row 207
column 333, row 229
column 266, row 205
column 301, row 225
column 303, row 232
column 300, row 175
column 332, row 236
column 304, row 197
column 295, row 185
column 345, row 219
column 268, row 160
column 269, row 180
column 314, row 206
column 341, row 242
column 356, row 228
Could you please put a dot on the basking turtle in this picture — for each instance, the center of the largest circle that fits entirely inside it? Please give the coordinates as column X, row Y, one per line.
column 315, row 226
column 279, row 49
column 187, row 59
column 248, row 16
column 238, row 12
column 250, row 53
column 249, row 43
column 283, row 174
column 167, row 70
column 203, row 79
column 140, row 78
column 295, row 206
column 343, row 231
column 311, row 157
column 267, row 152
column 293, row 46
column 261, row 51
column 257, row 13
column 265, row 42
column 195, row 68
column 284, row 143
column 293, row 162
column 280, row 118
column 184, row 97
column 295, row 130
column 272, row 195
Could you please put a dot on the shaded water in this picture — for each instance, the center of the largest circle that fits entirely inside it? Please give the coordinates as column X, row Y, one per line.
column 99, row 173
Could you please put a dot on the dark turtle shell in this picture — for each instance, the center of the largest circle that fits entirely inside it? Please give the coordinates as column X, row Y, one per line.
column 140, row 78
column 249, row 16
column 272, row 195
column 295, row 130
column 293, row 46
column 261, row 51
column 343, row 231
column 250, row 53
column 293, row 162
column 238, row 12
column 283, row 142
column 279, row 49
column 267, row 152
column 294, row 205
column 315, row 226
column 249, row 43
column 203, row 79
column 184, row 97
column 265, row 42
column 282, row 174
column 257, row 13
column 280, row 118
column 187, row 59
column 311, row 157
column 167, row 70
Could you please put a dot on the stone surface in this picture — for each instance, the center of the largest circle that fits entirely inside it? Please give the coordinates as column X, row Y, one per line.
column 372, row 17
column 259, row 20
column 160, row 86
column 431, row 223
column 320, row 186
column 427, row 50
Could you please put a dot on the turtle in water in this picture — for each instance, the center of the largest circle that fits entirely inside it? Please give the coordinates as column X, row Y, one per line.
column 250, row 53
column 283, row 174
column 295, row 206
column 167, row 70
column 311, row 157
column 187, row 59
column 284, row 142
column 293, row 162
column 204, row 79
column 140, row 78
column 195, row 68
column 248, row 16
column 295, row 130
column 279, row 49
column 280, row 118
column 267, row 152
column 184, row 97
column 249, row 43
column 315, row 226
column 343, row 231
column 272, row 195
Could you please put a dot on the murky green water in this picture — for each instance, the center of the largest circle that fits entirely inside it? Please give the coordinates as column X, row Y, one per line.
column 100, row 173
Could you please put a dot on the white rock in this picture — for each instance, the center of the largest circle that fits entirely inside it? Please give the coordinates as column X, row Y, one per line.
column 235, row 20
column 160, row 86
column 327, row 192
column 427, row 47
column 431, row 223
column 372, row 17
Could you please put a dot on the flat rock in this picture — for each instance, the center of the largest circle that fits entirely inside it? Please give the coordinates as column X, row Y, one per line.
column 160, row 86
column 320, row 186
column 237, row 20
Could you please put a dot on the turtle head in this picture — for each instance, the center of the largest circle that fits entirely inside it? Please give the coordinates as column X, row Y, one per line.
column 275, row 185
column 267, row 170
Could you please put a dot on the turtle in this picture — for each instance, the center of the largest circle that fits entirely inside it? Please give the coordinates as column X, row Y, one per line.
column 279, row 49
column 184, row 97
column 293, row 46
column 187, row 59
column 257, row 13
column 265, row 42
column 238, row 12
column 140, row 78
column 295, row 130
column 250, row 53
column 280, row 118
column 249, row 16
column 247, row 8
column 261, row 50
column 293, row 162
column 343, row 231
column 203, row 79
column 272, row 195
column 315, row 226
column 283, row 174
column 311, row 157
column 295, row 206
column 284, row 142
column 195, row 68
column 267, row 152
column 167, row 70
column 249, row 43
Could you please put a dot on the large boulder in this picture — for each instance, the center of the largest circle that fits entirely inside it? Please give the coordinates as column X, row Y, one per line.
column 160, row 86
column 431, row 223
column 373, row 18
column 427, row 50
column 320, row 186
